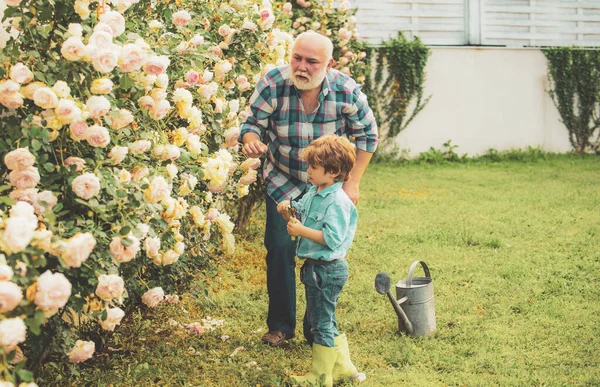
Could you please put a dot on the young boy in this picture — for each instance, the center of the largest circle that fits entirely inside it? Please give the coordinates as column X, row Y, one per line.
column 326, row 229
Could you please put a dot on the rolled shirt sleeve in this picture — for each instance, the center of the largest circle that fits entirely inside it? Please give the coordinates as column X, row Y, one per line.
column 261, row 108
column 361, row 122
column 336, row 227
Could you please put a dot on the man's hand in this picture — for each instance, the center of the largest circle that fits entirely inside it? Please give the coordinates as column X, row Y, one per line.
column 294, row 227
column 283, row 209
column 351, row 189
column 253, row 147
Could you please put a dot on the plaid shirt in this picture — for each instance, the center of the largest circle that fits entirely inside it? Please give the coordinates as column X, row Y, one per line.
column 278, row 117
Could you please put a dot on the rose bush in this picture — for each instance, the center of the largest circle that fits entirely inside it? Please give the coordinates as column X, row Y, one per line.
column 118, row 159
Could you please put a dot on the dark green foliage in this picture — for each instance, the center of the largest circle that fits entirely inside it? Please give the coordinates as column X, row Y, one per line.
column 574, row 75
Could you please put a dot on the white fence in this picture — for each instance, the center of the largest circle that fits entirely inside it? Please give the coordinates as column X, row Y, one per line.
column 511, row 23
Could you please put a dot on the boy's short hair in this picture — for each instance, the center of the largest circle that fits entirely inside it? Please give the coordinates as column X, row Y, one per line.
column 335, row 154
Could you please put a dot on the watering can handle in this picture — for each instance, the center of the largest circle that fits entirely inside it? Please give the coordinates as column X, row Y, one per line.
column 412, row 269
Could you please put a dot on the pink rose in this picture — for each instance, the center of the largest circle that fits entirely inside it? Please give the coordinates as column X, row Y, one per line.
column 132, row 58
column 86, row 186
column 197, row 40
column 10, row 296
column 19, row 159
column 249, row 177
column 105, row 60
column 115, row 20
column 78, row 249
column 161, row 110
column 146, row 102
column 138, row 173
column 53, row 291
column 122, row 120
column 250, row 164
column 265, row 13
column 45, row 98
column 192, row 77
column 82, row 351
column 78, row 162
column 153, row 297
column 124, row 253
column 78, row 130
column 97, row 136
column 212, row 214
column 110, row 286
column 287, row 8
column 140, row 146
column 66, row 111
column 26, row 195
column 224, row 30
column 24, row 178
column 157, row 64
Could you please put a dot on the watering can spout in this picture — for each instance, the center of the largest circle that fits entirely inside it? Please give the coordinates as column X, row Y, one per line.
column 382, row 285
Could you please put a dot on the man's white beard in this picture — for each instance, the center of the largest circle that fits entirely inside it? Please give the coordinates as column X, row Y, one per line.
column 313, row 82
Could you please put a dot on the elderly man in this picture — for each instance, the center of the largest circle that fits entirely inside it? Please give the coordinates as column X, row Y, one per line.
column 291, row 106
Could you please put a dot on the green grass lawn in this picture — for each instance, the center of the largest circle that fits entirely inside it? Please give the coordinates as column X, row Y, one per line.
column 513, row 249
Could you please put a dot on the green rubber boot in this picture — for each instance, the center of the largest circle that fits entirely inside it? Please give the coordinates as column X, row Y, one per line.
column 323, row 359
column 343, row 368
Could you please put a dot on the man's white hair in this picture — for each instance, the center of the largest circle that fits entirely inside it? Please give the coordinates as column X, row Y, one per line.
column 315, row 36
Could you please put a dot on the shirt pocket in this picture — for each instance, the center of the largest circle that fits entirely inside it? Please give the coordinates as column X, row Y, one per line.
column 316, row 219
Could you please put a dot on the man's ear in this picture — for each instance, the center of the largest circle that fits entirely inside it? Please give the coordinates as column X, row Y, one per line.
column 330, row 64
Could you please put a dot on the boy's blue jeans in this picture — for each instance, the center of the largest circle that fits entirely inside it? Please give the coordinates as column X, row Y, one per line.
column 323, row 284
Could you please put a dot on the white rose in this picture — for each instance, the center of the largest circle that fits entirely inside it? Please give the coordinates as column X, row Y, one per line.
column 73, row 49
column 132, row 58
column 78, row 249
column 124, row 176
column 97, row 106
column 75, row 29
column 19, row 158
column 77, row 161
column 46, row 197
column 140, row 146
column 162, row 81
column 45, row 98
column 86, row 186
column 101, row 38
column 157, row 64
column 81, row 7
column 154, row 25
column 115, row 20
column 101, row 86
column 181, row 18
column 61, row 89
column 146, row 102
column 82, row 351
column 113, row 318
column 124, row 253
column 197, row 40
column 153, row 297
column 157, row 190
column 10, row 295
column 161, row 110
column 53, row 291
column 122, row 120
column 105, row 60
column 12, row 333
column 20, row 73
column 152, row 246
column 6, row 273
column 110, row 286
column 66, row 111
column 25, row 178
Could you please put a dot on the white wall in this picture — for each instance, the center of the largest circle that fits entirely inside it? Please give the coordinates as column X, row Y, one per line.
column 486, row 98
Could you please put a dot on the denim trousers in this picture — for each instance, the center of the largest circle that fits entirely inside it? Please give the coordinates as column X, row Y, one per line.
column 281, row 274
column 323, row 284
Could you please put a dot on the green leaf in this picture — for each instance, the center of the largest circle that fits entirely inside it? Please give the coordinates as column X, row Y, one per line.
column 35, row 144
column 125, row 230
column 40, row 77
column 25, row 375
column 49, row 166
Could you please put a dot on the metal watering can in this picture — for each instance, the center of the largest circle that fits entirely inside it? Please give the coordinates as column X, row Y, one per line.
column 414, row 301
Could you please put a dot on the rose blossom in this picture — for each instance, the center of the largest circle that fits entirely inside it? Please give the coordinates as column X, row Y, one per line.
column 44, row 197
column 20, row 73
column 138, row 173
column 97, row 136
column 287, row 7
column 231, row 136
column 104, row 60
column 78, row 130
column 12, row 333
column 154, row 25
column 162, row 81
column 25, row 178
column 124, row 176
column 19, row 231
column 181, row 18
column 24, row 195
column 122, row 120
column 73, row 49
column 140, row 146
column 192, row 77
column 122, row 253
column 101, row 86
column 110, row 286
column 12, row 3
column 101, row 37
column 157, row 190
column 212, row 214
column 153, row 297
column 18, row 159
column 115, row 20
column 10, row 295
column 66, row 111
column 45, row 98
column 6, row 273
column 152, row 246
column 250, row 164
column 222, row 67
column 78, row 249
column 86, row 186
column 77, row 161
column 131, row 58
column 197, row 40
column 224, row 30
column 157, row 64
column 161, row 110
column 249, row 177
column 53, row 291
column 113, row 318
column 146, row 102
column 82, row 351
column 97, row 106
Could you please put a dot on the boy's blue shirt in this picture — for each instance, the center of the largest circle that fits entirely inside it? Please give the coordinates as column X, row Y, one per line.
column 332, row 212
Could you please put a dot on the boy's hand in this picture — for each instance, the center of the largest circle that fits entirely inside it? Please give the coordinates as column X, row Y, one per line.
column 282, row 208
column 294, row 227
